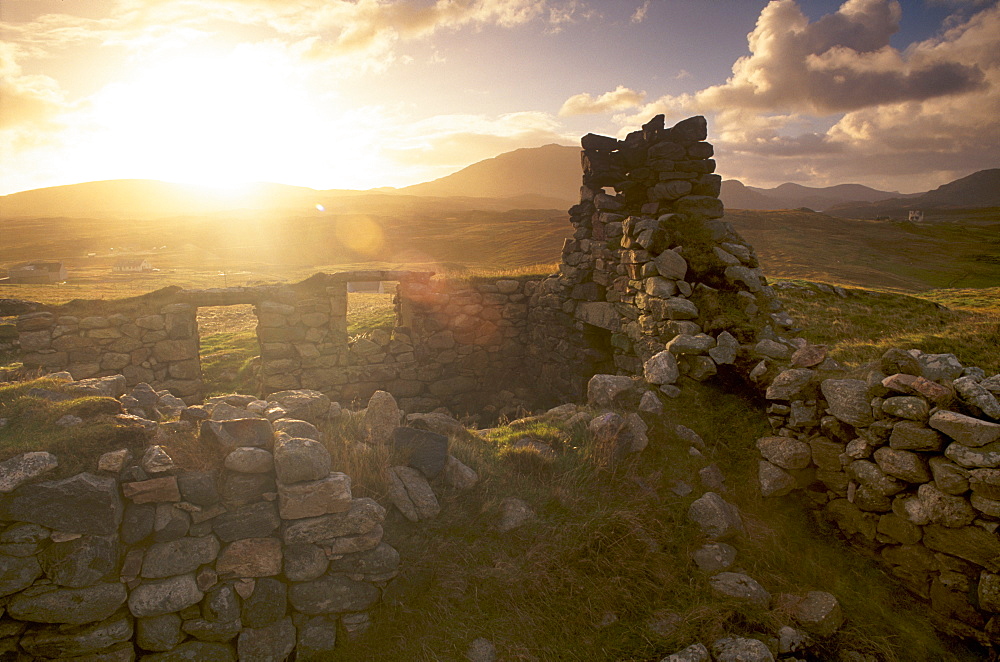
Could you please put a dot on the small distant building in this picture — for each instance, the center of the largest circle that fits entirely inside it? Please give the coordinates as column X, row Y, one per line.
column 916, row 216
column 132, row 266
column 37, row 272
column 372, row 287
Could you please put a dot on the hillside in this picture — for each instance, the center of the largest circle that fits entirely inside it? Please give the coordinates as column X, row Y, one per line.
column 980, row 189
column 815, row 246
column 552, row 171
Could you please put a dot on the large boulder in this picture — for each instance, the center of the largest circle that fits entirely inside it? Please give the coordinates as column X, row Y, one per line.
column 24, row 467
column 425, row 451
column 717, row 518
column 302, row 404
column 75, row 606
column 381, row 417
column 848, row 400
column 83, row 503
column 331, row 595
column 298, row 460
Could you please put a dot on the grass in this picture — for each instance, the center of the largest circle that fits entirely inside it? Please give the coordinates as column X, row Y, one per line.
column 860, row 328
column 609, row 552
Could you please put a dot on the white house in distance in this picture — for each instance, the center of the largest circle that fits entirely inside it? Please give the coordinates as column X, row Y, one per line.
column 132, row 266
column 916, row 216
column 37, row 272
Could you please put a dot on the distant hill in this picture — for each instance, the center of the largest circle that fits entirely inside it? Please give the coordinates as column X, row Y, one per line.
column 980, row 189
column 792, row 196
column 735, row 195
column 552, row 171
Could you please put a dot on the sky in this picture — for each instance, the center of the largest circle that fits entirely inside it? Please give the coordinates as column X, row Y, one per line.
column 356, row 94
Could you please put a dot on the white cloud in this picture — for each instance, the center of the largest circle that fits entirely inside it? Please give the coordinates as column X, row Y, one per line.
column 639, row 15
column 621, row 98
column 26, row 99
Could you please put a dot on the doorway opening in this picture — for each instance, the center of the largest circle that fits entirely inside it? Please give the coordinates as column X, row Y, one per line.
column 228, row 351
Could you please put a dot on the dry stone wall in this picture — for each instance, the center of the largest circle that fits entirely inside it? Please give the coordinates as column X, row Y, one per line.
column 905, row 459
column 138, row 558
column 458, row 344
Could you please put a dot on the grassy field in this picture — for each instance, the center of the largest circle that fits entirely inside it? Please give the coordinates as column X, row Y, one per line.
column 958, row 250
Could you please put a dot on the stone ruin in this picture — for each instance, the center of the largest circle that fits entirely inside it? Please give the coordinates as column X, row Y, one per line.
column 655, row 287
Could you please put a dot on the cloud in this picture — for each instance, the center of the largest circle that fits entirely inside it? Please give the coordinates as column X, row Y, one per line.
column 27, row 100
column 445, row 142
column 621, row 98
column 639, row 15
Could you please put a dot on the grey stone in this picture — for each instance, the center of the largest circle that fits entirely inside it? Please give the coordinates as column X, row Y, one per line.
column 739, row 586
column 302, row 404
column 296, row 428
column 137, row 522
column 222, row 603
column 966, row 430
column 55, row 641
column 726, row 347
column 693, row 653
column 437, row 422
column 298, row 460
column 381, row 417
column 718, row 519
column 790, row 384
column 714, row 557
column 609, row 390
column 987, row 456
column 159, row 633
column 332, row 594
column 195, row 651
column 76, row 606
column 738, row 649
column 24, row 467
column 971, row 543
column 774, row 481
column 266, row 605
column 304, row 562
column 458, row 475
column 240, row 489
column 156, row 460
column 256, row 520
column 250, row 557
column 946, row 509
column 410, row 492
column 907, row 406
column 421, row 449
column 785, row 452
column 972, row 393
column 80, row 562
column 904, row 465
column 83, row 503
column 17, row 573
column 250, row 460
column 217, row 631
column 170, row 522
column 949, row 477
column 364, row 516
column 913, row 436
column 316, row 638
column 661, row 368
column 937, row 367
column 670, row 264
column 331, row 494
column 601, row 314
column 870, row 474
column 380, row 562
column 198, row 487
column 272, row 643
column 238, row 432
column 514, row 513
column 178, row 557
column 819, row 613
column 848, row 400
column 164, row 596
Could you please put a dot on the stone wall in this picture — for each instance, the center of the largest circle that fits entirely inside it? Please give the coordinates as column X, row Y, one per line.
column 458, row 344
column 904, row 459
column 140, row 558
column 651, row 271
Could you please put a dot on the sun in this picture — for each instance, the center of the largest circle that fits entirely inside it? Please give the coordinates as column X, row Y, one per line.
column 220, row 120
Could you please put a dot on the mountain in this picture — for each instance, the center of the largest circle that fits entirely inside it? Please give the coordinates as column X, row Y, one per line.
column 980, row 189
column 552, row 171
column 792, row 196
column 735, row 195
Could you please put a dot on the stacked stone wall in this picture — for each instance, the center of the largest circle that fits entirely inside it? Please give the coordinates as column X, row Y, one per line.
column 905, row 459
column 457, row 344
column 138, row 558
